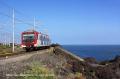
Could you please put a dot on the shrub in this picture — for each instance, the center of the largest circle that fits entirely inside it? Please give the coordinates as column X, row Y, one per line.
column 37, row 71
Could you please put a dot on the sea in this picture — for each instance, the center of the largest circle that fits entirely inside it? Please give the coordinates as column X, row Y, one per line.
column 100, row 52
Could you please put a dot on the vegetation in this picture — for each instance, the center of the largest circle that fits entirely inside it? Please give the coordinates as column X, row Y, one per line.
column 38, row 71
column 77, row 75
column 5, row 50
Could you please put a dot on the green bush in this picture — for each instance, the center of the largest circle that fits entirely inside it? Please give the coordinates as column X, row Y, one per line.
column 37, row 71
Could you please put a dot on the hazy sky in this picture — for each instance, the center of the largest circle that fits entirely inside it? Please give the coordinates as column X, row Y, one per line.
column 73, row 21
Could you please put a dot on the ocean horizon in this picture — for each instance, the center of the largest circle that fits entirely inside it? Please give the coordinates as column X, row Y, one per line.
column 100, row 52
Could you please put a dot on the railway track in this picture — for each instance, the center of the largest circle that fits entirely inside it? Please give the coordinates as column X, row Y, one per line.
column 20, row 56
column 21, row 51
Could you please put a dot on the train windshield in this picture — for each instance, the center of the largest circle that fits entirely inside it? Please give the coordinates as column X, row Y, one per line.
column 29, row 37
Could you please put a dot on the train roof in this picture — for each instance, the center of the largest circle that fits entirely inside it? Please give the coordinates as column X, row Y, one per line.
column 32, row 30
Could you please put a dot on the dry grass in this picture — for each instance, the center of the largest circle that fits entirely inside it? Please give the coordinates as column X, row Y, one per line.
column 38, row 71
column 77, row 75
column 7, row 50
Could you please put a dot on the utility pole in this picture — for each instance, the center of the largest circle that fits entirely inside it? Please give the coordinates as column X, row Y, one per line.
column 13, row 49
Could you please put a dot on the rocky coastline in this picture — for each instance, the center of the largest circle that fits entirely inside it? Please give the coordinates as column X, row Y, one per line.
column 92, row 69
column 64, row 65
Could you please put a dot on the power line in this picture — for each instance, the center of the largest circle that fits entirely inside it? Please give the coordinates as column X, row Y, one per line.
column 5, row 15
column 15, row 19
column 15, row 10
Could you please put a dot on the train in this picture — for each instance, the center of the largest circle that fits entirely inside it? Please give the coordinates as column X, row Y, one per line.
column 33, row 40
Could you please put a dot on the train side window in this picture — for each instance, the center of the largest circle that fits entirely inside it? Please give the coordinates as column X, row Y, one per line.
column 40, row 37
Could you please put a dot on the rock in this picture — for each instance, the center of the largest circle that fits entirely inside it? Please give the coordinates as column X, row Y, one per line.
column 63, row 65
column 90, row 60
column 117, row 59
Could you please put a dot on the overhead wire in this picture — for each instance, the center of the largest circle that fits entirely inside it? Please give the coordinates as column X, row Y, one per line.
column 16, row 11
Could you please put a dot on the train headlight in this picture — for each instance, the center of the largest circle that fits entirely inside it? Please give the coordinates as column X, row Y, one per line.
column 23, row 46
column 35, row 45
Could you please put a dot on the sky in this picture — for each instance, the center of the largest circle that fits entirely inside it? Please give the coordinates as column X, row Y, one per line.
column 81, row 22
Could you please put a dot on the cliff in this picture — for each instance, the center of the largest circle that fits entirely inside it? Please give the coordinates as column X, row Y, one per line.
column 58, row 63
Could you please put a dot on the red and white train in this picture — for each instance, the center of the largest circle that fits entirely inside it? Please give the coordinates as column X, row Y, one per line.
column 32, row 39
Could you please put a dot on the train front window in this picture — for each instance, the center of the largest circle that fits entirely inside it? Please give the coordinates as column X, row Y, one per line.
column 28, row 37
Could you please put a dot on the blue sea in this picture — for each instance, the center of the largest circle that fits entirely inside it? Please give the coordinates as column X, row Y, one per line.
column 100, row 52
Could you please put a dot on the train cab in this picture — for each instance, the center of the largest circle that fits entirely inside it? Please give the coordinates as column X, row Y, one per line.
column 31, row 39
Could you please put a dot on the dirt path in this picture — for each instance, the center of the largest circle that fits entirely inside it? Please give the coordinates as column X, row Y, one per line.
column 21, row 57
